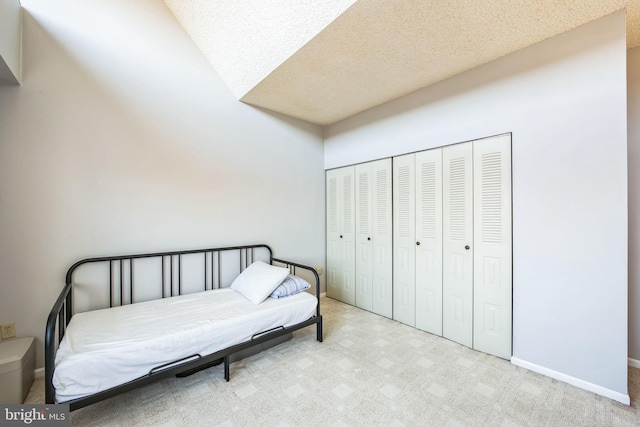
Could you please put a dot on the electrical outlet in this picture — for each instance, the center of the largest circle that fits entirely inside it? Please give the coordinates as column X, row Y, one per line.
column 8, row 330
column 319, row 271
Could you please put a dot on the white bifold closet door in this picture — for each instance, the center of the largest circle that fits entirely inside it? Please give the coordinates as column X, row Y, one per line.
column 449, row 231
column 492, row 283
column 374, row 266
column 429, row 241
column 418, row 240
column 457, row 289
column 404, row 240
column 341, row 234
column 477, row 260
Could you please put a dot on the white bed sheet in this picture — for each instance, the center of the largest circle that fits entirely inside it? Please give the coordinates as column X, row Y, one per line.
column 104, row 348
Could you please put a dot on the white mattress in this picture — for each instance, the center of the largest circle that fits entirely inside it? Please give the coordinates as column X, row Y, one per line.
column 105, row 348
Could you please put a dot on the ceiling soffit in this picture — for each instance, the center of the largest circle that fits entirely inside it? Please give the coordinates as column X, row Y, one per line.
column 372, row 51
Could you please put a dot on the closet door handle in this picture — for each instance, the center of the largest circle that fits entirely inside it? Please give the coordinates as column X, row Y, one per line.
column 418, row 243
column 341, row 236
column 368, row 238
column 467, row 247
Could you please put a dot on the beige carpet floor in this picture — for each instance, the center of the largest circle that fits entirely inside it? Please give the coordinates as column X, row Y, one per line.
column 369, row 371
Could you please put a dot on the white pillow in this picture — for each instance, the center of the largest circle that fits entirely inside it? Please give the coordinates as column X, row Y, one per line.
column 258, row 280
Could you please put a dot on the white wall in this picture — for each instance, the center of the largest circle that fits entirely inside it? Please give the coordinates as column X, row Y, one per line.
column 633, row 99
column 123, row 139
column 10, row 42
column 565, row 101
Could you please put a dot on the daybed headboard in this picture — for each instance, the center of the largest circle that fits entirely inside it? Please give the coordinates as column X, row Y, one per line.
column 135, row 278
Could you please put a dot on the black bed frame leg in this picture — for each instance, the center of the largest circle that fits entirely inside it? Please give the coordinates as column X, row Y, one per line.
column 226, row 368
column 319, row 330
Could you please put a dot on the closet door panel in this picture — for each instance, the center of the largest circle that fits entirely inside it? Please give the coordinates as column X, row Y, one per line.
column 364, row 226
column 341, row 234
column 428, row 281
column 492, row 252
column 404, row 242
column 382, row 238
column 347, row 236
column 333, row 241
column 458, row 243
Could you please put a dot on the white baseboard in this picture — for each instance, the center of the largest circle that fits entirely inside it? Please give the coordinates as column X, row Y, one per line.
column 634, row 363
column 323, row 294
column 585, row 385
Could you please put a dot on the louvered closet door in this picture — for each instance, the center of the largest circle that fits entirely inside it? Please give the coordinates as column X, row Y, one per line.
column 347, row 237
column 382, row 238
column 374, row 267
column 404, row 242
column 364, row 232
column 458, row 243
column 428, row 165
column 341, row 234
column 492, row 252
column 333, row 233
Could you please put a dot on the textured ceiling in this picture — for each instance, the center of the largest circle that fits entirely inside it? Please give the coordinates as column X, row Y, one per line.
column 327, row 61
column 245, row 40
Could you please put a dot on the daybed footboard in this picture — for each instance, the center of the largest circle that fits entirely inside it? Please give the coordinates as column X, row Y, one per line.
column 292, row 267
column 177, row 277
